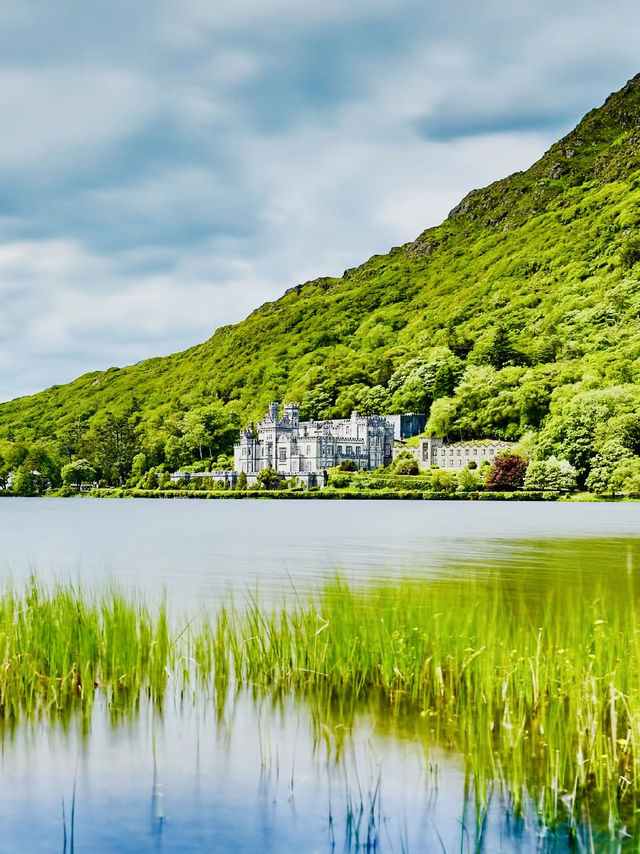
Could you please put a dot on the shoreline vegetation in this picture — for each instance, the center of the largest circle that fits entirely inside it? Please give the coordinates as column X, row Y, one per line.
column 333, row 495
column 542, row 701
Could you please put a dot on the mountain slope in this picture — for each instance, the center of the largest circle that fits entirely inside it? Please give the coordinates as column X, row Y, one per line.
column 525, row 299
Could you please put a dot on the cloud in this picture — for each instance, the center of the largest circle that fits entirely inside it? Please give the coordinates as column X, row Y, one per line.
column 54, row 117
column 196, row 21
column 64, row 301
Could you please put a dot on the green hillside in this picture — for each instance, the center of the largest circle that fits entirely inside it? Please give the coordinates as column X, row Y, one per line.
column 519, row 314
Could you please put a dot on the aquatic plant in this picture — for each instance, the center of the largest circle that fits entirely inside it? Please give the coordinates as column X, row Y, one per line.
column 59, row 646
column 540, row 693
column 538, row 690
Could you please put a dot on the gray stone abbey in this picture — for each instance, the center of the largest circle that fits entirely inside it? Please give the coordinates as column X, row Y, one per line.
column 308, row 448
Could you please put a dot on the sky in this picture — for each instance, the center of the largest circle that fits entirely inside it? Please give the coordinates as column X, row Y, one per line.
column 166, row 167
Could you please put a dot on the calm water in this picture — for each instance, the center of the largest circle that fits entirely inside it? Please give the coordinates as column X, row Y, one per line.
column 252, row 779
column 199, row 550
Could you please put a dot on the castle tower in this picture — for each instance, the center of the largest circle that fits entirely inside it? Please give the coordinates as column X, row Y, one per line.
column 292, row 414
column 244, row 451
column 273, row 411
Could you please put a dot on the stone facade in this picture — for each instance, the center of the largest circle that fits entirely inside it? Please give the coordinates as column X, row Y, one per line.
column 459, row 454
column 308, row 448
column 216, row 476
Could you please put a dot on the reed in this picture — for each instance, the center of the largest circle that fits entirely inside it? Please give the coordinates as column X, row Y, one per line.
column 540, row 691
column 60, row 646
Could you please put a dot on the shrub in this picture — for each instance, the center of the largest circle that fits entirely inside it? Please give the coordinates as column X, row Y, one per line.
column 268, row 479
column 507, row 472
column 468, row 480
column 407, row 466
column 442, row 481
column 339, row 481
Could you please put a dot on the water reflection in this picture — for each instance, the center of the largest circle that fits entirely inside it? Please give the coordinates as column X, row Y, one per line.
column 248, row 784
column 241, row 772
column 199, row 550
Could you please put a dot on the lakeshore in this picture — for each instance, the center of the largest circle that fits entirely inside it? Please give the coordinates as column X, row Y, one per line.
column 336, row 495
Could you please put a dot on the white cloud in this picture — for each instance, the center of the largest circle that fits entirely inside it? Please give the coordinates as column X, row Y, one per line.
column 52, row 313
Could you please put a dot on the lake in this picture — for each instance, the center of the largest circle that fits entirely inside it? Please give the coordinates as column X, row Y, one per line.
column 255, row 777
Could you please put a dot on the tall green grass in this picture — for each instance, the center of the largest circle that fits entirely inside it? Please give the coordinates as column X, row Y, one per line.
column 59, row 647
column 538, row 690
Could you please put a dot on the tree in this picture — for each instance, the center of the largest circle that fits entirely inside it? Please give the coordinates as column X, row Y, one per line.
column 78, row 472
column 507, row 472
column 175, row 452
column 4, row 473
column 24, row 483
column 631, row 477
column 612, row 468
column 626, row 428
column 316, row 403
column 138, row 466
column 441, row 417
column 195, row 432
column 416, row 383
column 468, row 480
column 268, row 479
column 42, row 458
column 373, row 401
column 552, row 474
column 72, row 439
column 151, row 479
column 630, row 251
column 153, row 447
column 494, row 348
column 16, row 455
column 580, row 426
column 209, row 428
column 116, row 443
column 385, row 372
column 532, row 399
column 242, row 481
column 527, row 446
column 445, row 381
